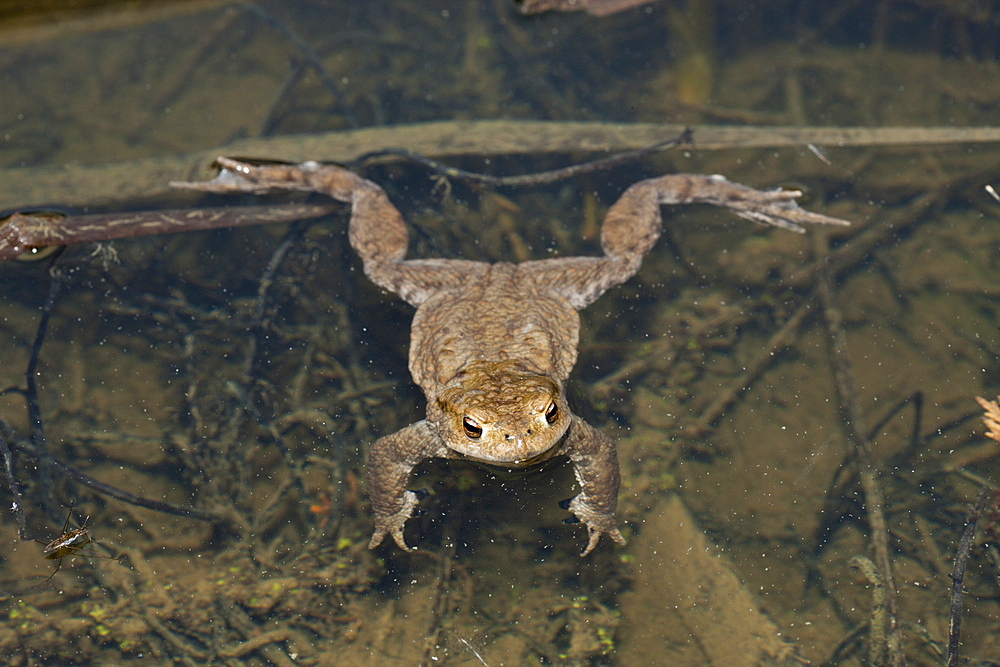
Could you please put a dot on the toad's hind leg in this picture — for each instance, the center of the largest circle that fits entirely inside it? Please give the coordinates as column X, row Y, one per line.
column 633, row 224
column 377, row 231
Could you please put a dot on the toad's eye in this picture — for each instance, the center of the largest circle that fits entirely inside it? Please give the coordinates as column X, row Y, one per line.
column 551, row 412
column 472, row 429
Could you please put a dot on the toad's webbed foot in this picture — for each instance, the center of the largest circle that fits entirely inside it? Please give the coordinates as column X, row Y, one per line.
column 236, row 176
column 595, row 465
column 598, row 523
column 775, row 207
column 393, row 524
column 633, row 223
column 390, row 462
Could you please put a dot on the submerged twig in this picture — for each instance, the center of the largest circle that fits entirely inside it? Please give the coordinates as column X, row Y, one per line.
column 260, row 325
column 958, row 576
column 874, row 498
column 21, row 233
column 266, row 642
column 17, row 505
column 181, row 73
column 101, row 487
column 311, row 58
column 781, row 339
column 30, row 391
column 877, row 642
column 188, row 651
column 439, row 605
column 525, row 180
column 593, row 7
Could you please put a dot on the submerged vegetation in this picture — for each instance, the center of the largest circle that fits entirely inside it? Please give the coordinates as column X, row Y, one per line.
column 802, row 405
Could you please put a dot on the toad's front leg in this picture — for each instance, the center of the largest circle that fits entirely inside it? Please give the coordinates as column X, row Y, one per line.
column 595, row 463
column 391, row 460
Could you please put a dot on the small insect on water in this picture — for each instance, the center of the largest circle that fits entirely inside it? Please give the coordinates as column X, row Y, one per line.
column 73, row 542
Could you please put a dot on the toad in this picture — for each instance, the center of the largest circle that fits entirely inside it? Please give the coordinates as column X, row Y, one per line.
column 491, row 345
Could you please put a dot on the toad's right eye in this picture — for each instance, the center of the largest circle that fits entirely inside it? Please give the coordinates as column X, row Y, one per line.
column 472, row 429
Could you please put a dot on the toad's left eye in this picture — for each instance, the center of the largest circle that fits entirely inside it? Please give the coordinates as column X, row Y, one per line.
column 551, row 412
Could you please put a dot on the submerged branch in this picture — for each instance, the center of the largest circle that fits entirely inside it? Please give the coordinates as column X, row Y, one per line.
column 25, row 233
column 957, row 576
column 80, row 184
column 867, row 469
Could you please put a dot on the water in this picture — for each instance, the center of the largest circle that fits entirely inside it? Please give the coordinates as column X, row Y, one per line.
column 162, row 374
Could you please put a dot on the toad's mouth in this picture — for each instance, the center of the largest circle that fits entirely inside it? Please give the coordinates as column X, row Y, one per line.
column 516, row 469
column 496, row 459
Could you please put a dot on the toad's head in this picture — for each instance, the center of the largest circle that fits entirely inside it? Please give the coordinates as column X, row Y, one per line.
column 503, row 414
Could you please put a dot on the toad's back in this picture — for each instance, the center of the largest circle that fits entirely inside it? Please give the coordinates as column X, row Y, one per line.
column 498, row 315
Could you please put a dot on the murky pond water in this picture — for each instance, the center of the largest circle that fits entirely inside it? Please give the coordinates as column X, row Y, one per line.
column 772, row 394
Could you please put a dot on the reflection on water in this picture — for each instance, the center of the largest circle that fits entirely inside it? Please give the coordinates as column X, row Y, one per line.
column 246, row 372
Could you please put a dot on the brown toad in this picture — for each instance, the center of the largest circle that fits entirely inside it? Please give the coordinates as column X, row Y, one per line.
column 492, row 344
